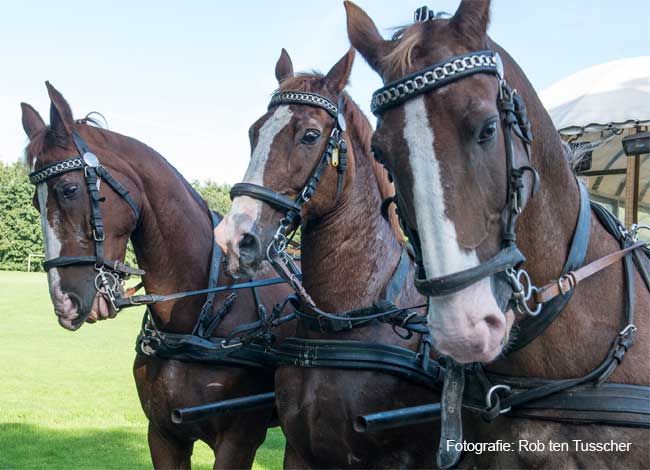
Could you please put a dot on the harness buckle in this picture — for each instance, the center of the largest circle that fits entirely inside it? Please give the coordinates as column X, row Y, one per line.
column 570, row 278
column 97, row 237
column 492, row 391
column 629, row 329
column 226, row 344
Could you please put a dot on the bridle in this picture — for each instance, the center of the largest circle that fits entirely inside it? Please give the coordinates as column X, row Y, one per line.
column 111, row 274
column 335, row 154
column 512, row 110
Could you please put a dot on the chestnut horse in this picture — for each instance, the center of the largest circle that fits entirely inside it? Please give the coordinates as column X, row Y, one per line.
column 448, row 115
column 350, row 253
column 171, row 230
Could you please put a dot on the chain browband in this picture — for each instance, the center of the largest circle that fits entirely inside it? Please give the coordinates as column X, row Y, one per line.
column 435, row 76
column 305, row 98
column 111, row 273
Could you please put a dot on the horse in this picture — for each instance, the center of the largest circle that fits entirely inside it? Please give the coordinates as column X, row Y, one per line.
column 350, row 256
column 453, row 105
column 144, row 198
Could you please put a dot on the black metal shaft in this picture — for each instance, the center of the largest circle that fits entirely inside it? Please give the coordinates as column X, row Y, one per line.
column 397, row 418
column 234, row 405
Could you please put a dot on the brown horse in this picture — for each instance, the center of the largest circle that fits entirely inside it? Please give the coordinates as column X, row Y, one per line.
column 349, row 255
column 443, row 138
column 169, row 210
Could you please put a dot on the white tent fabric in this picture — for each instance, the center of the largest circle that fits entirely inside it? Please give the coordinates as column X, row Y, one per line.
column 615, row 94
column 597, row 107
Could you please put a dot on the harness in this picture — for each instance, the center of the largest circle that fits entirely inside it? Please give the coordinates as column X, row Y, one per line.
column 246, row 345
column 111, row 274
column 340, row 354
column 582, row 400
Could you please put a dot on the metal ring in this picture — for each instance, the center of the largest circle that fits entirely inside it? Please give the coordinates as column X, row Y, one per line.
column 488, row 396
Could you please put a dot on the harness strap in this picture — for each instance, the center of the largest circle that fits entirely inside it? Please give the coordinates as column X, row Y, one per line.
column 571, row 279
column 531, row 327
column 277, row 200
column 508, row 257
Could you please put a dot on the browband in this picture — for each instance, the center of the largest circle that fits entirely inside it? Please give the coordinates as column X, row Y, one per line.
column 55, row 169
column 435, row 76
column 303, row 97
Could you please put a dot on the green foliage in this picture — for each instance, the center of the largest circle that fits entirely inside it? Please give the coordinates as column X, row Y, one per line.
column 217, row 195
column 20, row 231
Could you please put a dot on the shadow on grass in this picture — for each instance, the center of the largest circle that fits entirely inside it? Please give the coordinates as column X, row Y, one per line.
column 33, row 446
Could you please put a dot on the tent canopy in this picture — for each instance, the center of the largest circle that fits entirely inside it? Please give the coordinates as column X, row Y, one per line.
column 597, row 107
column 615, row 94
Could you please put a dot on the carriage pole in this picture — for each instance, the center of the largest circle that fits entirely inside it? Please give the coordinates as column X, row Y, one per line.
column 397, row 418
column 223, row 407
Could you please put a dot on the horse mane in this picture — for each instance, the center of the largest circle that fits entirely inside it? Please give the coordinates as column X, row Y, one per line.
column 360, row 130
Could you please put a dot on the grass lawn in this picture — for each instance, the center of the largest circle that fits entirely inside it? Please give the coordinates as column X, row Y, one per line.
column 68, row 400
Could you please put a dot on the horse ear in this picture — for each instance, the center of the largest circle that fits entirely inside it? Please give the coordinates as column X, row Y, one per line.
column 364, row 36
column 61, row 120
column 338, row 75
column 472, row 17
column 32, row 121
column 284, row 66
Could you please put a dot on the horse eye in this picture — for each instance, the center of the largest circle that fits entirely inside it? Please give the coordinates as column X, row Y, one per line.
column 310, row 137
column 70, row 191
column 488, row 133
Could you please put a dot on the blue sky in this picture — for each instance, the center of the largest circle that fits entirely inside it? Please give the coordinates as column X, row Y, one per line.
column 188, row 78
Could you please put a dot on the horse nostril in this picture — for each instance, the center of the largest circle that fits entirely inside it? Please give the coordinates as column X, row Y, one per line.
column 249, row 247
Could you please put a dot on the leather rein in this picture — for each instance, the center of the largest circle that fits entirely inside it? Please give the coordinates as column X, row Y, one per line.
column 112, row 274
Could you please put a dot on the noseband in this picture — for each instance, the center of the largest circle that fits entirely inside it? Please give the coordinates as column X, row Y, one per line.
column 111, row 273
column 514, row 120
column 335, row 153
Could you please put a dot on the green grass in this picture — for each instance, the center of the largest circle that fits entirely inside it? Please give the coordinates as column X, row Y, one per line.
column 68, row 400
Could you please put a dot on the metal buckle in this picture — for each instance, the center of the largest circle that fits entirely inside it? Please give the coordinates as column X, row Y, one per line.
column 488, row 397
column 631, row 328
column 635, row 229
column 570, row 279
column 225, row 344
column 96, row 237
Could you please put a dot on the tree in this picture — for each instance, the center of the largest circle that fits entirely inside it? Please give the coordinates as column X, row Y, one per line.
column 20, row 231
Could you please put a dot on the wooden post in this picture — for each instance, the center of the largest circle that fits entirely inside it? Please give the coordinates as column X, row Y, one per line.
column 632, row 189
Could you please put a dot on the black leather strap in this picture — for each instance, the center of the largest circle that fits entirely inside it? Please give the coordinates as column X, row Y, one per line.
column 508, row 257
column 261, row 193
column 357, row 355
column 532, row 327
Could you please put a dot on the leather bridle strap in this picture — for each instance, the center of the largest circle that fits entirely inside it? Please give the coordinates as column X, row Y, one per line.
column 433, row 77
column 507, row 258
column 275, row 199
column 93, row 173
column 335, row 145
column 570, row 280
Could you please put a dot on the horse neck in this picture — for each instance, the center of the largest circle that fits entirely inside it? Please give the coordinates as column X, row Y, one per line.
column 350, row 253
column 173, row 261
column 544, row 234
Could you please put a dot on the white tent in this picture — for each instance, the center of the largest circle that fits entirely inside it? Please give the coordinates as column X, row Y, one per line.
column 598, row 106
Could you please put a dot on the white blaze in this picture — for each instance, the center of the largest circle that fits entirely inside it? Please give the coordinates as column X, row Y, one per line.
column 52, row 242
column 458, row 321
column 441, row 251
column 255, row 172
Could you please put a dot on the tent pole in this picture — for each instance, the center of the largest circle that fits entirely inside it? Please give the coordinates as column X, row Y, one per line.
column 632, row 188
